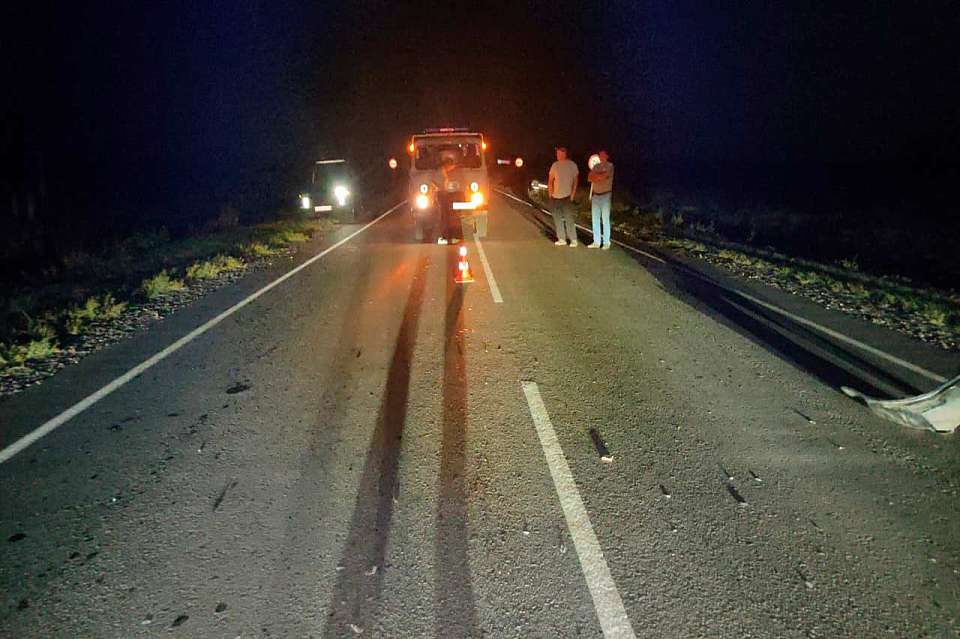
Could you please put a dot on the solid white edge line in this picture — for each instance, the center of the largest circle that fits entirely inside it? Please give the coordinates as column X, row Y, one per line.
column 494, row 289
column 606, row 599
column 52, row 424
column 823, row 353
column 840, row 336
column 893, row 359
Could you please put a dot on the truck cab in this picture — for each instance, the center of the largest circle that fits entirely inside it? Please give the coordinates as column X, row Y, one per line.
column 448, row 168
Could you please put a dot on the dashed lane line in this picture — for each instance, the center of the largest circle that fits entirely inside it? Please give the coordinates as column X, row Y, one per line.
column 52, row 424
column 606, row 598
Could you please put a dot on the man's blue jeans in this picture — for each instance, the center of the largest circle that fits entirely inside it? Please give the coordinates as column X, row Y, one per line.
column 600, row 208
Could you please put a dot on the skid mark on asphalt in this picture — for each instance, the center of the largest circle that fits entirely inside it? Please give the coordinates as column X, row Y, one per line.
column 453, row 587
column 606, row 598
column 356, row 592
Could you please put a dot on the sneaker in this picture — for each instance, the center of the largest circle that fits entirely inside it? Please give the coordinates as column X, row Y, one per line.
column 605, row 247
column 441, row 240
column 560, row 243
column 594, row 245
column 574, row 244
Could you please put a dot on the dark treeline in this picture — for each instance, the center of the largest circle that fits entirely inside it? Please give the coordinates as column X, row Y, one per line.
column 122, row 117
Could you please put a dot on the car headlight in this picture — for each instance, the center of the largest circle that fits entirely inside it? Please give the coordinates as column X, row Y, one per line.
column 341, row 192
column 422, row 201
column 477, row 198
column 424, row 188
column 474, row 187
column 304, row 201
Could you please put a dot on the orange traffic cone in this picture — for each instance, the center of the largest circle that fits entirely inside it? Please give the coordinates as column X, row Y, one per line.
column 464, row 274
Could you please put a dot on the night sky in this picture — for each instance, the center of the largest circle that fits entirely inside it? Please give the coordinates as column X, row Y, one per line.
column 177, row 107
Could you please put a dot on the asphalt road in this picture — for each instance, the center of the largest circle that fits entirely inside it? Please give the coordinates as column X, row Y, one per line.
column 361, row 452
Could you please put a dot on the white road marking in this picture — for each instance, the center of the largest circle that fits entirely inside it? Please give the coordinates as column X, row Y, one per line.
column 606, row 599
column 494, row 289
column 627, row 246
column 839, row 336
column 52, row 424
column 893, row 391
column 589, row 230
column 893, row 359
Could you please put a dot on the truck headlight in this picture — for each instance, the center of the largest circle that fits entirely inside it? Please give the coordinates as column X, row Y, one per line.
column 477, row 199
column 304, row 201
column 422, row 201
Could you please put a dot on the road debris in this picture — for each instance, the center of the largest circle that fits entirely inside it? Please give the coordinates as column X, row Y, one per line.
column 736, row 494
column 602, row 450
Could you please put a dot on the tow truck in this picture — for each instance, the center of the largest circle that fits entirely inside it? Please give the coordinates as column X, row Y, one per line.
column 464, row 186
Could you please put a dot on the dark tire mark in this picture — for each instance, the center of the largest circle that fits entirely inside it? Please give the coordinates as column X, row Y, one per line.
column 356, row 592
column 456, row 610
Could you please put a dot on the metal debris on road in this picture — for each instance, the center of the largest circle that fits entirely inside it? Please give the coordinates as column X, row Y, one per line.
column 938, row 410
column 736, row 494
column 602, row 450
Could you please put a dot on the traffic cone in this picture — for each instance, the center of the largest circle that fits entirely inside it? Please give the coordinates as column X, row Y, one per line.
column 464, row 274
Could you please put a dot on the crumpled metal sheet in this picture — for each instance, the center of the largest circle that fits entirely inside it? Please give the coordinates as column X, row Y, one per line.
column 938, row 410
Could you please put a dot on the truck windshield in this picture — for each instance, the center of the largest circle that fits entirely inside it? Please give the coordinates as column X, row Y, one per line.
column 466, row 155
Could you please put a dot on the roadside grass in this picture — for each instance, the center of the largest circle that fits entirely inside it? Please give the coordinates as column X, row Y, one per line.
column 869, row 294
column 212, row 268
column 693, row 230
column 161, row 284
column 77, row 317
column 257, row 250
column 49, row 310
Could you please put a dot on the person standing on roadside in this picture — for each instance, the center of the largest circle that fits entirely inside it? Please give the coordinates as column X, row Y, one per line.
column 562, row 187
column 601, row 178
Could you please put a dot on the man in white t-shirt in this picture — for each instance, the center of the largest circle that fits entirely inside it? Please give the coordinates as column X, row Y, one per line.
column 562, row 187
